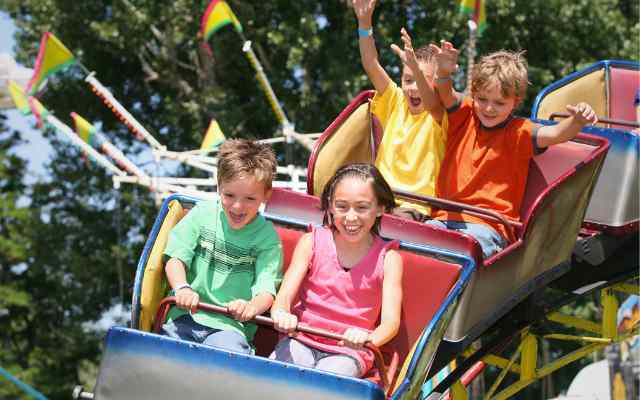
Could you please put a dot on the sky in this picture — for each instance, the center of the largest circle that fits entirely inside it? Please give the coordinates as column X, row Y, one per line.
column 37, row 150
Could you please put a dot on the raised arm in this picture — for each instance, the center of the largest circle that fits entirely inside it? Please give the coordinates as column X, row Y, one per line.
column 283, row 320
column 446, row 65
column 368, row 53
column 581, row 115
column 428, row 95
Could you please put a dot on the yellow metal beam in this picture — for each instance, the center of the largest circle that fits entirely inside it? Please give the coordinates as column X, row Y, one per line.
column 458, row 391
column 609, row 311
column 504, row 371
column 627, row 288
column 574, row 322
column 543, row 371
column 559, row 336
column 548, row 369
column 529, row 356
column 500, row 362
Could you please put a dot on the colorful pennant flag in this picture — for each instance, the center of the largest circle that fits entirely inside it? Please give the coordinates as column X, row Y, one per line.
column 475, row 9
column 38, row 111
column 19, row 98
column 214, row 136
column 218, row 14
column 86, row 131
column 53, row 56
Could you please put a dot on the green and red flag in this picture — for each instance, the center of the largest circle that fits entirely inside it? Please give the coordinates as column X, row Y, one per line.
column 218, row 14
column 214, row 136
column 476, row 10
column 53, row 56
column 19, row 98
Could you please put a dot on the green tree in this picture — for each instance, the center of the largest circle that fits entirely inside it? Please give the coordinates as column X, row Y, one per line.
column 15, row 243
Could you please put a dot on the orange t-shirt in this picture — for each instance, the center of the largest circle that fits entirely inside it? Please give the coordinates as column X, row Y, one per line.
column 485, row 167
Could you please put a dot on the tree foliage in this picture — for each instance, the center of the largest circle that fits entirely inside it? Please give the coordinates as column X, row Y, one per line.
column 63, row 260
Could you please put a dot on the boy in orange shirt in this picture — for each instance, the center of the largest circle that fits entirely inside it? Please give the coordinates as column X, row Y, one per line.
column 488, row 149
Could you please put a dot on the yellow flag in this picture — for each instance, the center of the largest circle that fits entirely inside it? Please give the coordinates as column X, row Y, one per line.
column 477, row 11
column 214, row 136
column 19, row 98
column 53, row 56
column 218, row 14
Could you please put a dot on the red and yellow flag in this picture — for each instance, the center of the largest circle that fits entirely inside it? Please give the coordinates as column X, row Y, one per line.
column 476, row 10
column 19, row 98
column 38, row 111
column 218, row 14
column 214, row 136
column 53, row 56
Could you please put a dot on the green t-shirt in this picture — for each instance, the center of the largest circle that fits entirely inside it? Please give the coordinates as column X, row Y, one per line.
column 224, row 264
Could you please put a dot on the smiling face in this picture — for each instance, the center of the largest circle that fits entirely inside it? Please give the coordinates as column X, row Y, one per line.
column 410, row 86
column 241, row 198
column 491, row 105
column 354, row 209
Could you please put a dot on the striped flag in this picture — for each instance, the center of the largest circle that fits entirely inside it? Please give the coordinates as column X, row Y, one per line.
column 476, row 10
column 86, row 131
column 53, row 56
column 19, row 98
column 214, row 136
column 218, row 14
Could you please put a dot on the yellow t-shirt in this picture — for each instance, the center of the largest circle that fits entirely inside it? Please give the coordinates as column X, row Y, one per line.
column 412, row 147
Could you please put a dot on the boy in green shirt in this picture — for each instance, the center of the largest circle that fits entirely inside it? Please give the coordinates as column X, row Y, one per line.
column 223, row 252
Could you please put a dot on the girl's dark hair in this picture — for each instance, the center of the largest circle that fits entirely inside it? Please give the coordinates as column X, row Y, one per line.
column 381, row 189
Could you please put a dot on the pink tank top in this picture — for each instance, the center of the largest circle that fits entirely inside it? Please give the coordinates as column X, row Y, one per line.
column 335, row 299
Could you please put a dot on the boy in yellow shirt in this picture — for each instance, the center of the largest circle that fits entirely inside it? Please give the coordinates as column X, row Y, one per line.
column 414, row 127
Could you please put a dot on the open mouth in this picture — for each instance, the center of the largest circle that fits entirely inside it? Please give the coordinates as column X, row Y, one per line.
column 236, row 218
column 415, row 101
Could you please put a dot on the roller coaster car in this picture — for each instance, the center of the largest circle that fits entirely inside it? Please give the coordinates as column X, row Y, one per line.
column 140, row 364
column 558, row 189
column 605, row 258
column 447, row 285
column 610, row 87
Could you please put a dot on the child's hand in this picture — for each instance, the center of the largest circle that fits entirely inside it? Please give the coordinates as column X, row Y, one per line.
column 187, row 299
column 364, row 11
column 446, row 58
column 284, row 321
column 355, row 338
column 406, row 55
column 242, row 310
column 583, row 114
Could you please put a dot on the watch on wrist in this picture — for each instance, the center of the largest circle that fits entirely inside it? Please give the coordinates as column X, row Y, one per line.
column 184, row 285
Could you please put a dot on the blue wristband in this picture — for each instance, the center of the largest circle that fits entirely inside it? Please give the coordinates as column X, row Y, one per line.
column 362, row 33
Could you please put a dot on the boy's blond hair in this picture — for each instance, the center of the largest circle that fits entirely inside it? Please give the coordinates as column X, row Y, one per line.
column 241, row 158
column 508, row 68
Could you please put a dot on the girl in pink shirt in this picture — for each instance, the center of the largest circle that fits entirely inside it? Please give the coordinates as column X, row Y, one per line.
column 343, row 278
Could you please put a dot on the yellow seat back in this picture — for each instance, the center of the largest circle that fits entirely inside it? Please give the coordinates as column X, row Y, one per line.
column 154, row 283
column 350, row 142
column 590, row 88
